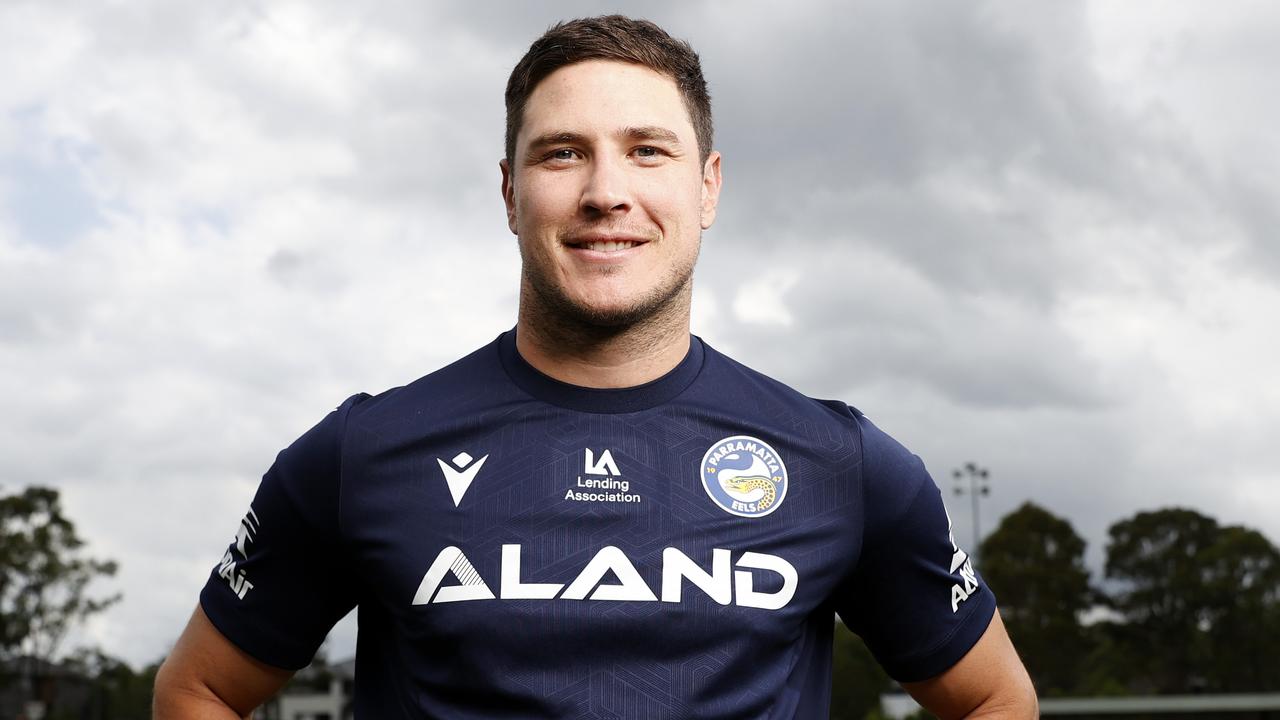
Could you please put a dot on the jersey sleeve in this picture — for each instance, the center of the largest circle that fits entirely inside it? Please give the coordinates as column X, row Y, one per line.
column 914, row 595
column 278, row 589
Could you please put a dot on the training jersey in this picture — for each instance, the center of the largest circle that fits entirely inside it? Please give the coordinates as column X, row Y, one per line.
column 518, row 547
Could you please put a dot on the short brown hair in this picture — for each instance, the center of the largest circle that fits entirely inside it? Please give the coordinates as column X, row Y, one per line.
column 611, row 37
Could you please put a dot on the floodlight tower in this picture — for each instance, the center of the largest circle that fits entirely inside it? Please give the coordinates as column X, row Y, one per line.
column 978, row 484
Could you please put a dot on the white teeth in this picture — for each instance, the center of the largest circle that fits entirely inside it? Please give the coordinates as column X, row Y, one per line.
column 609, row 246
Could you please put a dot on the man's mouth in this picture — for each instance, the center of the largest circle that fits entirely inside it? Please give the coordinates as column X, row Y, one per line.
column 605, row 245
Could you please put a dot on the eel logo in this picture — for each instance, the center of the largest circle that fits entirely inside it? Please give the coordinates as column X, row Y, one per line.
column 744, row 476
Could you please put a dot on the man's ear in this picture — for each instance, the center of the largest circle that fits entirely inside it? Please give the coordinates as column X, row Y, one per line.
column 710, row 188
column 508, row 194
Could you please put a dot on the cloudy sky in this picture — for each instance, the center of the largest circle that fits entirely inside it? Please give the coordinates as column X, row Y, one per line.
column 1042, row 237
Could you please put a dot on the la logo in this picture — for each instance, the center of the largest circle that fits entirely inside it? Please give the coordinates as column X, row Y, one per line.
column 605, row 466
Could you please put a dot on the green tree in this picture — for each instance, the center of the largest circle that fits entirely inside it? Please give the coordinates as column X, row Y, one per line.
column 44, row 578
column 117, row 691
column 1241, row 577
column 1108, row 669
column 1034, row 563
column 857, row 680
column 1157, row 560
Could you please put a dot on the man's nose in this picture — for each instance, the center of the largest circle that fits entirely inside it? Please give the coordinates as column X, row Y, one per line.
column 607, row 190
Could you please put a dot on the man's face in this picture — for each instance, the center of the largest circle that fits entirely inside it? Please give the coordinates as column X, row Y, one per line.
column 607, row 193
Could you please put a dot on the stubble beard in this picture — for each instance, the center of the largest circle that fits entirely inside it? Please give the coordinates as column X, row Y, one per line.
column 662, row 311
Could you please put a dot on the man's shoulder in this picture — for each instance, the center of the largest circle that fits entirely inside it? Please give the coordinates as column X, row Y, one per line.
column 885, row 461
column 452, row 389
column 760, row 386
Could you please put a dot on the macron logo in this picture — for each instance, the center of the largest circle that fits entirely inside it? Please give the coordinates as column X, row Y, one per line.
column 459, row 473
column 247, row 532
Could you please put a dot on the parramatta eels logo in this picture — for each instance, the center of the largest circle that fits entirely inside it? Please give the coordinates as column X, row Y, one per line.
column 745, row 476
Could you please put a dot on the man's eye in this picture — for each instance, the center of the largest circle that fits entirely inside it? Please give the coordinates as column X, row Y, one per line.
column 647, row 151
column 561, row 154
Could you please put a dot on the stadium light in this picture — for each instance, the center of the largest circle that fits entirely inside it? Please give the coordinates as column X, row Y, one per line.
column 978, row 484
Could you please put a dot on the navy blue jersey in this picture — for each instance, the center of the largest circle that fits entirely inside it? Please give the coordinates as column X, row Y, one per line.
column 523, row 548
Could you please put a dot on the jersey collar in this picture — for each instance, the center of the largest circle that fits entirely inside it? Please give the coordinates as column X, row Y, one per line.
column 600, row 400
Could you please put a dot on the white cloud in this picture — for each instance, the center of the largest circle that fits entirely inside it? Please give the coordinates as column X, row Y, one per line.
column 759, row 298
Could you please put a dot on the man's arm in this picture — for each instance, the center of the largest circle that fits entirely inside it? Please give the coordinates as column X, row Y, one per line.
column 989, row 681
column 206, row 677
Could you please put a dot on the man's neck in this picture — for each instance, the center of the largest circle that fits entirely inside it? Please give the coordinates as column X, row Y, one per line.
column 607, row 358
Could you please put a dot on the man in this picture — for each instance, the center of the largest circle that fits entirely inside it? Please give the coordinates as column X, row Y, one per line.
column 597, row 515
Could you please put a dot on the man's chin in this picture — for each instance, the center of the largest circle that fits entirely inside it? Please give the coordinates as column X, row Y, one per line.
column 606, row 312
column 610, row 314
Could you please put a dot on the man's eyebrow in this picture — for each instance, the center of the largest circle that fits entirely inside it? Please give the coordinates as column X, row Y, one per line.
column 556, row 137
column 651, row 132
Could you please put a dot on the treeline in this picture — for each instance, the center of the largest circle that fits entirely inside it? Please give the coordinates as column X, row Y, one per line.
column 1186, row 605
column 45, row 580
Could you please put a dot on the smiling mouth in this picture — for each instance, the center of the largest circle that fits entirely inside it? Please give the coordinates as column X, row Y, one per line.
column 606, row 245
